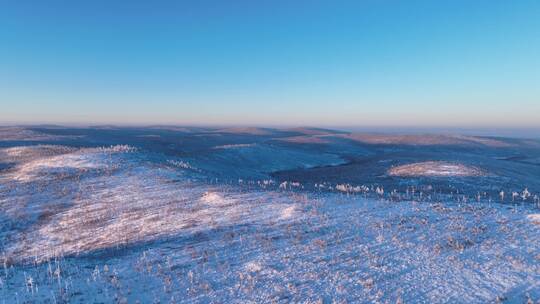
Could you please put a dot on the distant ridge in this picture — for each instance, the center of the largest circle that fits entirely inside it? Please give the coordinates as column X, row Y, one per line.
column 314, row 131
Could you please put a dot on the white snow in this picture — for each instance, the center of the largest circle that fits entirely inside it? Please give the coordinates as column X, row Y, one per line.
column 435, row 169
column 124, row 203
column 113, row 228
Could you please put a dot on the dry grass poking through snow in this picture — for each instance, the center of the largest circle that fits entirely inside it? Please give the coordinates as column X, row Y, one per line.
column 200, row 243
column 435, row 169
column 117, row 201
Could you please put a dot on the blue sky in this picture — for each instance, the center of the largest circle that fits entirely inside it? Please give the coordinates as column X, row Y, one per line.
column 324, row 63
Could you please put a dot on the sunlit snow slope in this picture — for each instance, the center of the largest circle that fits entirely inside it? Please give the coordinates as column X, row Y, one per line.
column 245, row 215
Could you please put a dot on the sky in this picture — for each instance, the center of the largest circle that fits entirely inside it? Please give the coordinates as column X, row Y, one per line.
column 372, row 63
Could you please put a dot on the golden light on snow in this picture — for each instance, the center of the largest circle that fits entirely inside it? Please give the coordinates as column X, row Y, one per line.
column 534, row 218
column 435, row 169
column 126, row 203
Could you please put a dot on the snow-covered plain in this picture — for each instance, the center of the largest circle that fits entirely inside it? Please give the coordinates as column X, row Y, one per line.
column 124, row 224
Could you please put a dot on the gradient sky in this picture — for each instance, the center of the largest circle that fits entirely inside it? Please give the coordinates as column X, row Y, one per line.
column 325, row 63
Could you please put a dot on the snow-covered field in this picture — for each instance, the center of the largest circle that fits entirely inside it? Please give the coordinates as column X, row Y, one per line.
column 435, row 168
column 125, row 223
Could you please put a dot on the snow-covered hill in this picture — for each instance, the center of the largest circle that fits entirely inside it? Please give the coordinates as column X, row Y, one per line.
column 93, row 216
